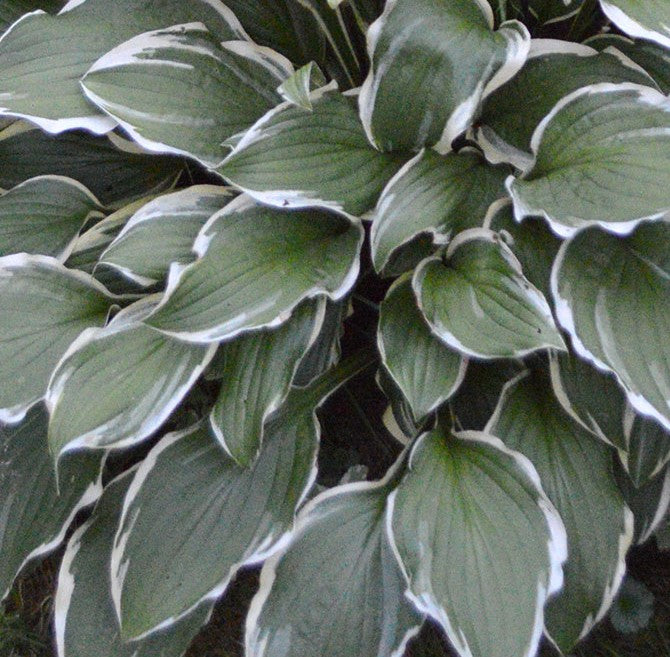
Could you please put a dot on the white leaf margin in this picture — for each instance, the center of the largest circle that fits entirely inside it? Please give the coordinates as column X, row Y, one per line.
column 518, row 42
column 646, row 96
column 220, row 332
column 308, row 514
column 633, row 27
column 24, row 260
column 557, row 546
column 535, row 297
column 567, row 320
column 625, row 537
column 128, row 319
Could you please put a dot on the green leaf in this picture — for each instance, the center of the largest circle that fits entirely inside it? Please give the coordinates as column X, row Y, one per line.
column 531, row 241
column 339, row 552
column 297, row 88
column 612, row 294
column 44, row 215
column 116, row 385
column 647, row 449
column 84, row 619
column 576, row 473
column 431, row 199
column 649, row 502
column 648, row 19
column 296, row 158
column 162, row 232
column 257, row 370
column 255, row 265
column 177, row 90
column 590, row 397
column 113, row 169
column 44, row 57
column 479, row 542
column 654, row 59
column 553, row 70
column 11, row 10
column 44, row 308
column 428, row 373
column 193, row 517
column 432, row 64
column 34, row 514
column 599, row 155
column 477, row 301
column 552, row 11
column 634, row 607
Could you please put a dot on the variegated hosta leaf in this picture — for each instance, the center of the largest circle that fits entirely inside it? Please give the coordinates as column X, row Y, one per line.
column 428, row 372
column 432, row 63
column 257, row 370
column 647, row 19
column 193, row 516
column 653, row 58
column 85, row 620
column 255, row 265
column 613, row 295
column 599, row 156
column 116, row 385
column 479, row 542
column 591, row 397
column 162, row 232
column 553, row 70
column 44, row 308
column 178, row 90
column 477, row 300
column 297, row 88
column 531, row 241
column 113, row 169
column 11, row 10
column 339, row 554
column 576, row 472
column 44, row 215
column 431, row 199
column 34, row 513
column 293, row 157
column 44, row 57
column 325, row 352
column 649, row 502
column 647, row 449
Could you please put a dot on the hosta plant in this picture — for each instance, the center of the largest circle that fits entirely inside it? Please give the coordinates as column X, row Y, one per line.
column 216, row 215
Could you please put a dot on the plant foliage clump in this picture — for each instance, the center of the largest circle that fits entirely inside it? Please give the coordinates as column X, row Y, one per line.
column 202, row 203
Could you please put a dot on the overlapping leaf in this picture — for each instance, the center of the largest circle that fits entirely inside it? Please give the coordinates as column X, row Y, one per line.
column 256, row 371
column 44, row 308
column 576, row 473
column 479, row 542
column 339, row 552
column 255, row 265
column 431, row 199
column 553, row 70
column 162, row 232
column 432, row 63
column 12, row 10
column 34, row 512
column 116, row 385
column 478, row 302
column 647, row 449
column 113, row 169
column 177, row 90
column 294, row 157
column 648, row 19
column 44, row 56
column 44, row 215
column 428, row 373
column 599, row 155
column 613, row 295
column 84, row 618
column 193, row 517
